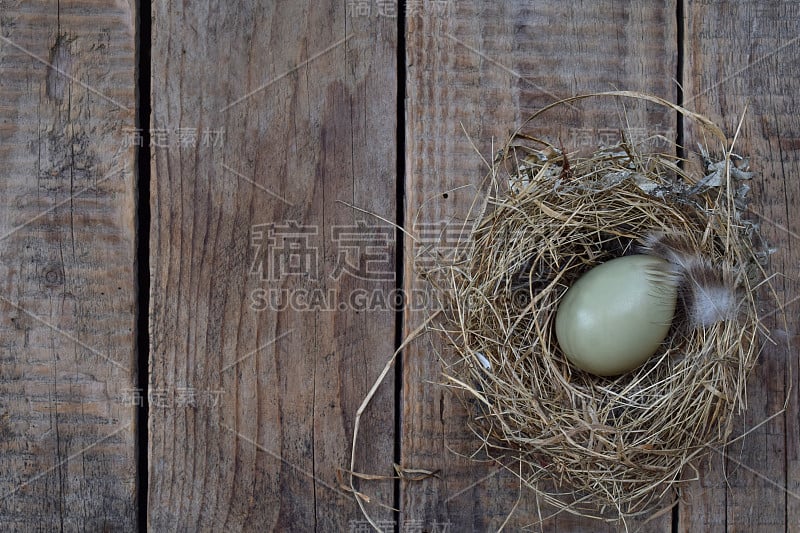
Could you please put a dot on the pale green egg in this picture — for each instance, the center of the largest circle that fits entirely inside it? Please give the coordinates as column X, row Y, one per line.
column 617, row 314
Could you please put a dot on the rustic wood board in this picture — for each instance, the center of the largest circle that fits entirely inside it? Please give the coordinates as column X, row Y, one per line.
column 67, row 246
column 255, row 396
column 745, row 55
column 270, row 311
column 488, row 66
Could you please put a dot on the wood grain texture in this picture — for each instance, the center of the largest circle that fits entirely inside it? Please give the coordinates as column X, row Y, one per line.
column 67, row 288
column 267, row 327
column 302, row 95
column 741, row 55
column 488, row 66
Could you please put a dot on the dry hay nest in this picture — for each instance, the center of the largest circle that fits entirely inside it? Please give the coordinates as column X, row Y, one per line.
column 605, row 447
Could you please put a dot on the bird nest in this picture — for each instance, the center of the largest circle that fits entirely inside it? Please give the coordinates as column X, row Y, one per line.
column 608, row 447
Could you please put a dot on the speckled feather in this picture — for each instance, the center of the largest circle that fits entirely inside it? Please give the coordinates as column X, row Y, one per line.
column 707, row 293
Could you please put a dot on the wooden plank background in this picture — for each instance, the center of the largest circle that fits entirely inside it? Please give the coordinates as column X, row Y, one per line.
column 276, row 127
column 486, row 68
column 67, row 288
column 730, row 65
column 298, row 97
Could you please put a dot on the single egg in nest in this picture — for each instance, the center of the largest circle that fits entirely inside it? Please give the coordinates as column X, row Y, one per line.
column 617, row 314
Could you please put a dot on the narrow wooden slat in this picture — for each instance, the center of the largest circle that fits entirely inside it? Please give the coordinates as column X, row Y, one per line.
column 488, row 66
column 286, row 109
column 67, row 264
column 745, row 55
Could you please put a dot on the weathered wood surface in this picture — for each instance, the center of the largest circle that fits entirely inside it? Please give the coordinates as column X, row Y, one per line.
column 266, row 116
column 67, row 288
column 488, row 67
column 254, row 397
column 744, row 56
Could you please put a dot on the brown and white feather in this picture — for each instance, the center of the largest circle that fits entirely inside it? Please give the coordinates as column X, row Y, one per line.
column 707, row 292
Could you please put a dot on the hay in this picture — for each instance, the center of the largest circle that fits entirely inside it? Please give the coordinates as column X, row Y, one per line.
column 609, row 448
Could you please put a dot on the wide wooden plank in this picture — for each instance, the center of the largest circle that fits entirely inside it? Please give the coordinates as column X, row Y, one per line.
column 67, row 266
column 732, row 65
column 266, row 116
column 488, row 66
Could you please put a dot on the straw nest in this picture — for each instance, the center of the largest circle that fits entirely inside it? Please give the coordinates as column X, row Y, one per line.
column 596, row 446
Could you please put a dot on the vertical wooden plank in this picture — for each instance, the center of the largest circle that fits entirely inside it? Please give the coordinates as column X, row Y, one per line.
column 266, row 116
column 745, row 54
column 488, row 66
column 67, row 254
